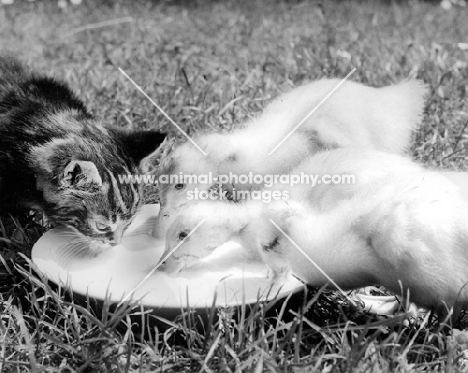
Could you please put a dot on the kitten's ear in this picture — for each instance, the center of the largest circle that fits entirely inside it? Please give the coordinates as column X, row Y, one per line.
column 81, row 175
column 140, row 144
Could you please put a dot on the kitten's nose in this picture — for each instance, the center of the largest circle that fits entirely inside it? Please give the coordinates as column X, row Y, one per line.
column 116, row 239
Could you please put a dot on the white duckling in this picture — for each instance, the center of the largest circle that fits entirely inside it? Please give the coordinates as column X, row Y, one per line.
column 355, row 115
column 224, row 220
column 405, row 229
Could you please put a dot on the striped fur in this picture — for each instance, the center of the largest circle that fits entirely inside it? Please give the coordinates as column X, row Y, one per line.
column 56, row 157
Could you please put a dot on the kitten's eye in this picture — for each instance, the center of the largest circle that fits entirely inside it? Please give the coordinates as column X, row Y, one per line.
column 101, row 226
column 183, row 235
column 179, row 186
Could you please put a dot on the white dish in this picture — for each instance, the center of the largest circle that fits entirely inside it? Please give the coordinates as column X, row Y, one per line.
column 233, row 274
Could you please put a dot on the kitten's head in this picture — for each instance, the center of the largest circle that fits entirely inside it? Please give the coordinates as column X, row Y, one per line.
column 81, row 181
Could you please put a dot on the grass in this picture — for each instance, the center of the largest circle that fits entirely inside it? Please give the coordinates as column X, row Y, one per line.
column 213, row 65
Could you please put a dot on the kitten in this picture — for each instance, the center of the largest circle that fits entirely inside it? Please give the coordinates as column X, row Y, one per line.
column 56, row 157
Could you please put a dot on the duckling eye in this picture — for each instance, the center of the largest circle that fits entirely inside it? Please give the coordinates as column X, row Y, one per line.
column 271, row 246
column 179, row 186
column 183, row 235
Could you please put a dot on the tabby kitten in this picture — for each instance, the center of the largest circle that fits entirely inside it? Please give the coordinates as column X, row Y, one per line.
column 55, row 157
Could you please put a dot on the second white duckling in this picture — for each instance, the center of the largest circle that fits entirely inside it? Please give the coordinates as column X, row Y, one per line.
column 405, row 229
